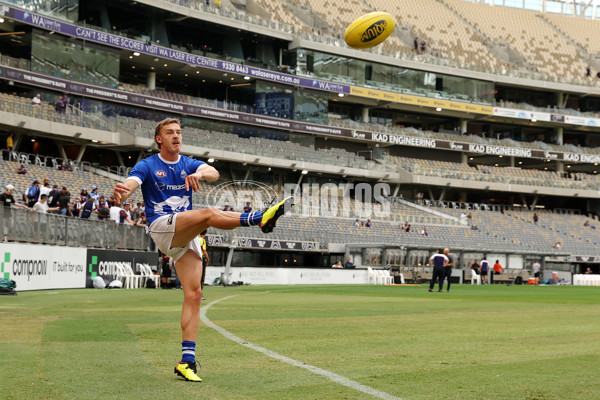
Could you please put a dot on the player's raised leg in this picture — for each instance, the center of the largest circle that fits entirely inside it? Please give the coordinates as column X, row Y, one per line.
column 191, row 223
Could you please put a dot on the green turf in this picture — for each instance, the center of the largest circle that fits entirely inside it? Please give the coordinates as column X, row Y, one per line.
column 476, row 342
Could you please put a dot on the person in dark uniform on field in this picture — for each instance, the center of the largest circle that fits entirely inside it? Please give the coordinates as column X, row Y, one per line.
column 165, row 269
column 439, row 260
column 448, row 267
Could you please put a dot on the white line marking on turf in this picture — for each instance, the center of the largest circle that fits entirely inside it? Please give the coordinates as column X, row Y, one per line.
column 342, row 380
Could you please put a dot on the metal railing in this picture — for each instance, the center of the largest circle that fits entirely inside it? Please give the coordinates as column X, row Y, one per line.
column 19, row 225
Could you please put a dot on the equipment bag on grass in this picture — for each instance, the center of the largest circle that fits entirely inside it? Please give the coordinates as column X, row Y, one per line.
column 7, row 283
column 7, row 287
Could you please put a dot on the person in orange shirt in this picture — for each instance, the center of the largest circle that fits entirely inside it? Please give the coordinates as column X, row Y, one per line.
column 497, row 269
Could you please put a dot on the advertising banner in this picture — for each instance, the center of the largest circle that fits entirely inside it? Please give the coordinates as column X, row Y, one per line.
column 104, row 263
column 36, row 267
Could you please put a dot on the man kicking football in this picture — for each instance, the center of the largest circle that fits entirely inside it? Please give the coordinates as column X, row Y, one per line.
column 167, row 180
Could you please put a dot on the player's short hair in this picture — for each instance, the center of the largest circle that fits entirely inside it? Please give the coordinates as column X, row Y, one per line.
column 160, row 125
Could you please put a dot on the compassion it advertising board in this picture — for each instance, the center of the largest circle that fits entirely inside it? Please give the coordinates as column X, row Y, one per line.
column 104, row 263
column 35, row 267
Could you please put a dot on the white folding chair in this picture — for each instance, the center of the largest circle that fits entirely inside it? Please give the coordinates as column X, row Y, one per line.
column 133, row 279
column 147, row 274
column 385, row 277
column 122, row 275
column 372, row 276
column 475, row 277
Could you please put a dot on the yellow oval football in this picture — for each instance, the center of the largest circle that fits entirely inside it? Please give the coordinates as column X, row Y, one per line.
column 369, row 30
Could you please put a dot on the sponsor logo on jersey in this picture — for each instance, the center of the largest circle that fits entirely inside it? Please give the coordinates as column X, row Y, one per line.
column 160, row 186
column 160, row 173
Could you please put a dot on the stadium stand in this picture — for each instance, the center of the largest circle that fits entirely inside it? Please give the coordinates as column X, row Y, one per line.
column 470, row 37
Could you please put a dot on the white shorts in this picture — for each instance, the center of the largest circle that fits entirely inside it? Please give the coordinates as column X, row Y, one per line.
column 162, row 231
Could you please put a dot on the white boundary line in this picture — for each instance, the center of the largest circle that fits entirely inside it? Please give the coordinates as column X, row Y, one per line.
column 319, row 371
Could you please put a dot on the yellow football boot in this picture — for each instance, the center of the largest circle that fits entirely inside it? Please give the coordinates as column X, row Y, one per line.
column 272, row 214
column 187, row 370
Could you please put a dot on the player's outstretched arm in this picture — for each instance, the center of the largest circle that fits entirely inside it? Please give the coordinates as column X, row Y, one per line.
column 124, row 190
column 206, row 172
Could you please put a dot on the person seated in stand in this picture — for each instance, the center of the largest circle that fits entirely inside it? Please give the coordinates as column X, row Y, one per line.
column 349, row 264
column 21, row 170
column 37, row 100
column 337, row 265
column 475, row 267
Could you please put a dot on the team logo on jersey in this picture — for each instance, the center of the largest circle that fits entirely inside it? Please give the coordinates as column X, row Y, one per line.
column 183, row 174
column 160, row 173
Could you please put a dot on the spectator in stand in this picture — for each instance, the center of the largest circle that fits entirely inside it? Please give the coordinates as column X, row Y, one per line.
column 588, row 270
column 88, row 208
column 368, row 224
column 408, row 228
column 21, row 170
column 41, row 207
column 349, row 264
column 64, row 201
column 142, row 220
column 226, row 208
column 357, row 223
column 94, row 193
column 247, row 207
column 111, row 202
column 405, row 226
column 588, row 71
column 37, row 100
column 424, row 232
column 535, row 218
column 337, row 265
column 102, row 208
column 9, row 142
column 53, row 197
column 60, row 105
column 138, row 211
column 45, row 188
column 76, row 210
column 83, row 196
column 8, row 200
column 423, row 46
column 125, row 214
column 62, row 167
column 416, row 44
column 33, row 193
column 114, row 212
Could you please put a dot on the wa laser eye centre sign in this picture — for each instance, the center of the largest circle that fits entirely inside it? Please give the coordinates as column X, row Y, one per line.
column 41, row 267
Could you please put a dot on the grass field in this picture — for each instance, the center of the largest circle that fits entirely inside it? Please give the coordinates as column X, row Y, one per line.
column 476, row 342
